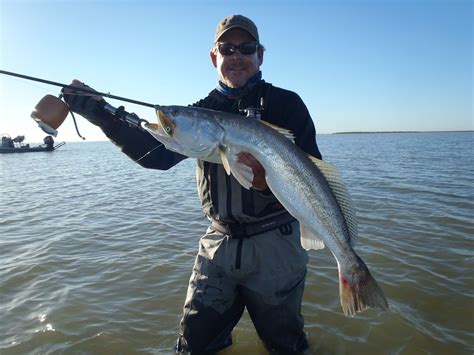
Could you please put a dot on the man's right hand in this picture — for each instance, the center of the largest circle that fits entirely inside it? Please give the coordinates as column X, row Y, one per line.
column 87, row 105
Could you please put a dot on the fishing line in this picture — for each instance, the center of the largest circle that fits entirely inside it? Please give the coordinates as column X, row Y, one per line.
column 143, row 156
column 43, row 88
column 75, row 125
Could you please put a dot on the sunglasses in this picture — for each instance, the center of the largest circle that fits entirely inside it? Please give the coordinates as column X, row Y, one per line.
column 246, row 48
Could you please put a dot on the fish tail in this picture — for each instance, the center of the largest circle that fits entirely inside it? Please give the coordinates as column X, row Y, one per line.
column 360, row 291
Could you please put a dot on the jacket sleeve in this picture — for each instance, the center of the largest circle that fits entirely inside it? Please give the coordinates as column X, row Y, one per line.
column 138, row 145
column 293, row 114
column 304, row 130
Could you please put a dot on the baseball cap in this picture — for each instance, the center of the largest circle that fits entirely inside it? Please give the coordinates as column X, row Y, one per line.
column 236, row 21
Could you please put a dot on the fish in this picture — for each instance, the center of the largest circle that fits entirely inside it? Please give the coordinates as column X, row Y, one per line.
column 310, row 189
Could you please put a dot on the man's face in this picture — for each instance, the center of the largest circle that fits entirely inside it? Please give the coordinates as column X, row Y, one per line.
column 234, row 70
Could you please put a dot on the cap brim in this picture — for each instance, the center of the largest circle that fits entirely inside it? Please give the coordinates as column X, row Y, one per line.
column 232, row 27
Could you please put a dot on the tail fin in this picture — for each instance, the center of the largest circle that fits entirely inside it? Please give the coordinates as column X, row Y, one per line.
column 360, row 291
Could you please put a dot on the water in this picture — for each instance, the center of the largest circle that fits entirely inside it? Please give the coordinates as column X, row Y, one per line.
column 96, row 252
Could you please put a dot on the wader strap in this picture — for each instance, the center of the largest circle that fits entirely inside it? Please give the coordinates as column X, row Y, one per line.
column 247, row 230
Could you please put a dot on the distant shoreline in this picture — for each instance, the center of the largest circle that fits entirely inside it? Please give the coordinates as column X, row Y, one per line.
column 377, row 132
column 318, row 133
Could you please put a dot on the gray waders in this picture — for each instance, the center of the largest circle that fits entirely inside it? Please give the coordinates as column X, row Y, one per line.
column 264, row 273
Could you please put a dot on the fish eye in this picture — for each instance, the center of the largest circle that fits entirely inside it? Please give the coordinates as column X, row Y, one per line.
column 168, row 130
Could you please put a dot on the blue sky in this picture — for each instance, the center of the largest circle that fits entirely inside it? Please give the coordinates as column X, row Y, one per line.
column 379, row 65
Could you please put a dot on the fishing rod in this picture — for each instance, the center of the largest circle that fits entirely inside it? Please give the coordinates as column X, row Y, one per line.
column 51, row 111
column 75, row 88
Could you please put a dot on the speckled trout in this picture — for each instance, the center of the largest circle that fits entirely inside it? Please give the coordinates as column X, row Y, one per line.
column 310, row 189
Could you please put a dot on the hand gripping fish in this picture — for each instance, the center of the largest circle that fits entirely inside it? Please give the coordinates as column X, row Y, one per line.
column 310, row 189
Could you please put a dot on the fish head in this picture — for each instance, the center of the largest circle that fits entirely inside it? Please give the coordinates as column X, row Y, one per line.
column 188, row 130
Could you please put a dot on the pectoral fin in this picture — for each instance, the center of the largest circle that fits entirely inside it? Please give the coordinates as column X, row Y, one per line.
column 242, row 173
column 225, row 162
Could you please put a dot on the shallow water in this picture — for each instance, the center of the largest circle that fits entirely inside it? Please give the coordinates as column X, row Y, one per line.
column 96, row 251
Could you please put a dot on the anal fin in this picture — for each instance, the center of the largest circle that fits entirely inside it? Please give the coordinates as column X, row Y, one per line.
column 309, row 240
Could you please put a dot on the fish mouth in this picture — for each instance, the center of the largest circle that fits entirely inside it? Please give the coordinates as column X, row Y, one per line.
column 165, row 123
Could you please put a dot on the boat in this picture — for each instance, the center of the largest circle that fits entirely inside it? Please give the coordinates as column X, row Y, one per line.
column 16, row 145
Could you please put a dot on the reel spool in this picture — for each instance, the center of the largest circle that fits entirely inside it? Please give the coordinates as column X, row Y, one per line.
column 50, row 113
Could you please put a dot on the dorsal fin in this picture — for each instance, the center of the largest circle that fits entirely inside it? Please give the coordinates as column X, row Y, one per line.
column 342, row 195
column 286, row 132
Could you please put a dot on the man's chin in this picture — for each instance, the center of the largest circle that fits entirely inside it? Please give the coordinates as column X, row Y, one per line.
column 236, row 82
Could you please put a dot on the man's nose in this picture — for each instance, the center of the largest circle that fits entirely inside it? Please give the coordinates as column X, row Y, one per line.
column 236, row 55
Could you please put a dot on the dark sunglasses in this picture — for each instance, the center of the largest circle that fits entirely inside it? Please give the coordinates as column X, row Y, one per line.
column 246, row 48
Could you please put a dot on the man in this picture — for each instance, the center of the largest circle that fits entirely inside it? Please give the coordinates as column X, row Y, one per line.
column 250, row 256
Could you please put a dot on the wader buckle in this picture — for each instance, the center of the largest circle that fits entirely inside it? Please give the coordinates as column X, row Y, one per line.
column 247, row 230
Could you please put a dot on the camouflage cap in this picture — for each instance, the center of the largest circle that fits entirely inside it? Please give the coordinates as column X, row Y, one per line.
column 236, row 21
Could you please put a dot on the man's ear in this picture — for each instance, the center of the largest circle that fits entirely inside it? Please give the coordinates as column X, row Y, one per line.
column 213, row 56
column 260, row 56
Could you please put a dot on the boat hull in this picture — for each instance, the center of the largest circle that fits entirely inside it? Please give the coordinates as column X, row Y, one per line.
column 25, row 150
